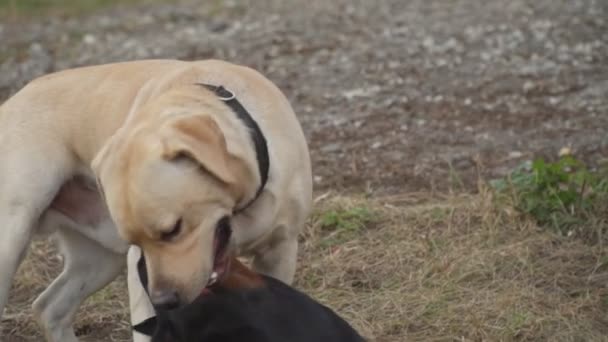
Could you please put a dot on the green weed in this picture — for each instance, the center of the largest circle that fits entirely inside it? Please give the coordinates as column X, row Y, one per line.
column 344, row 224
column 563, row 195
column 516, row 321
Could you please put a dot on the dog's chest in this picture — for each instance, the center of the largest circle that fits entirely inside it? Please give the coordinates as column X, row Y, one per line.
column 79, row 200
column 78, row 206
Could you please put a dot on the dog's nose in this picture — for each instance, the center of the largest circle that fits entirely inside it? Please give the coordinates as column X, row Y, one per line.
column 165, row 300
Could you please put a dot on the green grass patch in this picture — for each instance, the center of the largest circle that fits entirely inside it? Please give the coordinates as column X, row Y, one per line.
column 565, row 194
column 344, row 224
column 351, row 219
column 516, row 321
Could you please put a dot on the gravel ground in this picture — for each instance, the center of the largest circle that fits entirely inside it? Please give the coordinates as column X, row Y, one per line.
column 393, row 95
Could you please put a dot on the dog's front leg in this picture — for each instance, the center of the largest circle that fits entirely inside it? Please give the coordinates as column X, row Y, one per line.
column 31, row 172
column 16, row 227
column 279, row 260
column 141, row 307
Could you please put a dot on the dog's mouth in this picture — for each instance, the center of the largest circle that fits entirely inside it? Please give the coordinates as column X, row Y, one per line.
column 223, row 231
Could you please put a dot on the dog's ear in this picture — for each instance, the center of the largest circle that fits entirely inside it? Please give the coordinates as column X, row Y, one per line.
column 147, row 327
column 99, row 158
column 142, row 272
column 200, row 139
column 105, row 153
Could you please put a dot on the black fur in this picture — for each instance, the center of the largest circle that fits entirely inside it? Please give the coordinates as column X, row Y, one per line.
column 274, row 313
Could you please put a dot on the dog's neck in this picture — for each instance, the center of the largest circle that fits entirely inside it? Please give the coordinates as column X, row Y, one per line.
column 257, row 137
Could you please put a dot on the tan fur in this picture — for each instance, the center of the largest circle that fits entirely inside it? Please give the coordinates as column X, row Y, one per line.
column 162, row 148
column 238, row 276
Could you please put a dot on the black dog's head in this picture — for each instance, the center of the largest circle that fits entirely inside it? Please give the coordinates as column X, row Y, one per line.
column 245, row 306
column 210, row 318
column 210, row 313
column 160, row 328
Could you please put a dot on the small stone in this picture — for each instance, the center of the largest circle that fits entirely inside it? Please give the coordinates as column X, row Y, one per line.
column 428, row 42
column 330, row 148
column 89, row 39
column 36, row 48
column 515, row 154
column 361, row 92
column 565, row 151
column 394, row 64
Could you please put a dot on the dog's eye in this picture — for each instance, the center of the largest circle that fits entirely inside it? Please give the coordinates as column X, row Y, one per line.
column 177, row 228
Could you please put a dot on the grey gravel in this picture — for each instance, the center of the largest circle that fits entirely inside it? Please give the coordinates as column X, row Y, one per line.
column 392, row 94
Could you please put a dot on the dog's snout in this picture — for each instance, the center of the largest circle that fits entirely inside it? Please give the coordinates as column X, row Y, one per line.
column 165, row 300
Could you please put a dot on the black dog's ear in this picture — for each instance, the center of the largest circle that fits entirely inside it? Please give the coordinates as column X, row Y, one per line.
column 142, row 272
column 146, row 327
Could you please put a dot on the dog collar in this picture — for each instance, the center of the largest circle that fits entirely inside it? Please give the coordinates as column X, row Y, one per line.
column 259, row 141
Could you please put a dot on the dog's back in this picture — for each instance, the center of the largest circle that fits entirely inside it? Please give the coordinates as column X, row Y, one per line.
column 269, row 312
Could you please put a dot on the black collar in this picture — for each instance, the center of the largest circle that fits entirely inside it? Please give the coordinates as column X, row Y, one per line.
column 259, row 141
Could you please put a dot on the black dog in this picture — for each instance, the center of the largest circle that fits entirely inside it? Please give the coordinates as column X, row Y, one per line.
column 244, row 306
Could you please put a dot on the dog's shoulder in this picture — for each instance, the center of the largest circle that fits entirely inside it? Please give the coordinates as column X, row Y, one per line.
column 309, row 318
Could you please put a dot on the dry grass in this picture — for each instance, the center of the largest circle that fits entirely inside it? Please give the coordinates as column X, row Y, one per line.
column 457, row 268
column 460, row 269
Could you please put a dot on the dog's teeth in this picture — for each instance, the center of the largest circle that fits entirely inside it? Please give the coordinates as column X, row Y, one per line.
column 213, row 278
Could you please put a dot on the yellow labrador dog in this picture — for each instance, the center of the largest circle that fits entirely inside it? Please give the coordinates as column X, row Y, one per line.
column 162, row 155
